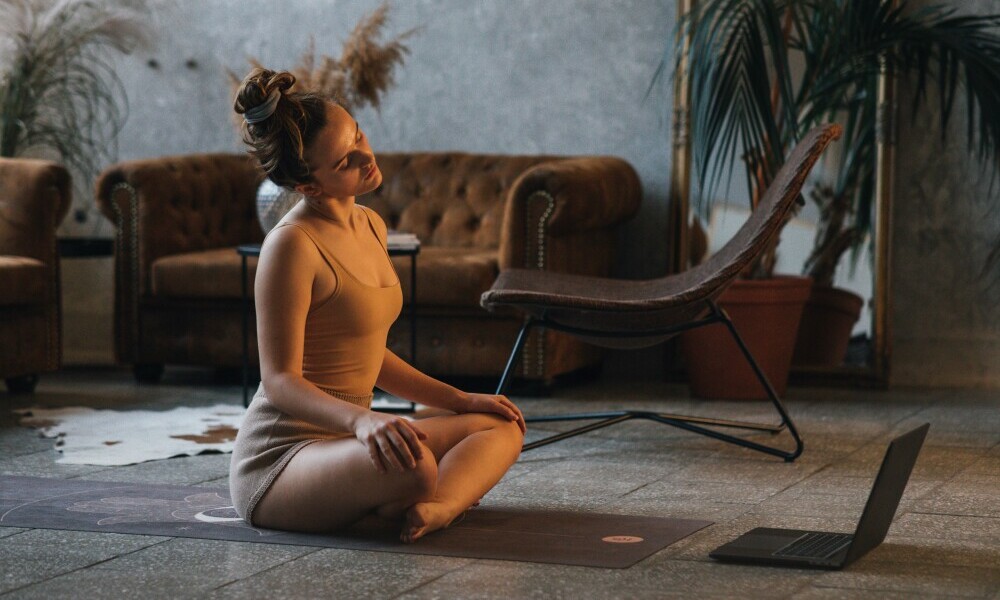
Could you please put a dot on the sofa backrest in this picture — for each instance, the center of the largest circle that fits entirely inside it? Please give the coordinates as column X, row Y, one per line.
column 449, row 198
column 189, row 202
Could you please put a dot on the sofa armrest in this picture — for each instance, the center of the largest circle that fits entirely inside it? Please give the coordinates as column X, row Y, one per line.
column 167, row 206
column 178, row 204
column 35, row 196
column 565, row 198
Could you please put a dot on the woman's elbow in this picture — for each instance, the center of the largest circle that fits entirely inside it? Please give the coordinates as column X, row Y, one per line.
column 278, row 385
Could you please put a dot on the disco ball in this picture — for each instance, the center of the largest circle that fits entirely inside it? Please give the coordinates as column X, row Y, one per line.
column 273, row 201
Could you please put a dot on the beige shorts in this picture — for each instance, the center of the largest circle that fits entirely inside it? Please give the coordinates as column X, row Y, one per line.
column 266, row 441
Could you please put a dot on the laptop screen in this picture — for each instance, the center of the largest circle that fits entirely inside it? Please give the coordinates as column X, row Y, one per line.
column 887, row 491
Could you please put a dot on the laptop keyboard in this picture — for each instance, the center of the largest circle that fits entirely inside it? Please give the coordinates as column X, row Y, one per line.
column 816, row 545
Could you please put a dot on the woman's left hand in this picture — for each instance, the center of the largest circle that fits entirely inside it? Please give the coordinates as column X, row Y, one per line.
column 492, row 403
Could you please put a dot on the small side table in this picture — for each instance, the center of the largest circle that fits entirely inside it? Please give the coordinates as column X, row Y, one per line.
column 248, row 250
column 85, row 247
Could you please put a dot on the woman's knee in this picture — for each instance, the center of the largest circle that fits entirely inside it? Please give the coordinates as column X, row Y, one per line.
column 421, row 481
column 501, row 423
column 496, row 423
column 484, row 421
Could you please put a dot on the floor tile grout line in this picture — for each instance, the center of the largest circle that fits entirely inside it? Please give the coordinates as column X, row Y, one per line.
column 948, row 514
column 871, row 591
column 433, row 579
column 92, row 565
column 645, row 485
column 275, row 566
column 14, row 535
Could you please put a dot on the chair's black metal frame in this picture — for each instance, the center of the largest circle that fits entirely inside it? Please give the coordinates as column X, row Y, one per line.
column 689, row 423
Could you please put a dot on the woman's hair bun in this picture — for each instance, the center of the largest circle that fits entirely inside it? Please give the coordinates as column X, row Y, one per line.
column 257, row 86
column 279, row 129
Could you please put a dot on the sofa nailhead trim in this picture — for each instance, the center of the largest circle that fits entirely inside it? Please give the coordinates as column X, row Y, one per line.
column 539, row 235
column 133, row 245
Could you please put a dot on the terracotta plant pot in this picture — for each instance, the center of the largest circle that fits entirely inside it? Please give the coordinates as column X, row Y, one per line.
column 766, row 314
column 827, row 322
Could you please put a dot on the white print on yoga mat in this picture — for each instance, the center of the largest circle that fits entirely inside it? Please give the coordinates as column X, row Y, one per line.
column 87, row 436
column 209, row 507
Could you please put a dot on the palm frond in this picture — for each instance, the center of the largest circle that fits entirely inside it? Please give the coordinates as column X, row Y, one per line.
column 732, row 45
column 739, row 55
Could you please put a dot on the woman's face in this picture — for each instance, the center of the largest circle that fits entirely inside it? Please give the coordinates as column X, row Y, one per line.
column 340, row 159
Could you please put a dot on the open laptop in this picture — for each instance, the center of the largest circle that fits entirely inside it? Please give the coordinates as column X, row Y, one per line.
column 823, row 550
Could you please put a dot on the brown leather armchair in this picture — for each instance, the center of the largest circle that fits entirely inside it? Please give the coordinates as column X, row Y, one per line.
column 179, row 220
column 34, row 198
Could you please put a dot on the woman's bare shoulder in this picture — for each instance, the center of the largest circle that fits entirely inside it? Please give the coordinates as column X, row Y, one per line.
column 288, row 242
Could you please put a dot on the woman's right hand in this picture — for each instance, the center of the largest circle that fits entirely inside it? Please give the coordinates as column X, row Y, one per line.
column 392, row 441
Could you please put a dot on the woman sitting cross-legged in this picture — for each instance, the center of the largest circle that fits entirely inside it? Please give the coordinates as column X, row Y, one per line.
column 311, row 455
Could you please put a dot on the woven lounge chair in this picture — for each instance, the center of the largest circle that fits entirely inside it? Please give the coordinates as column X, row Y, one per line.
column 619, row 313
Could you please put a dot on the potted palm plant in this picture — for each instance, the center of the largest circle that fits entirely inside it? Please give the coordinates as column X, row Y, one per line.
column 763, row 72
column 59, row 95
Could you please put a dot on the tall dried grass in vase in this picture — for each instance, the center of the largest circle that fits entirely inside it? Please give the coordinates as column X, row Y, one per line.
column 362, row 73
column 60, row 97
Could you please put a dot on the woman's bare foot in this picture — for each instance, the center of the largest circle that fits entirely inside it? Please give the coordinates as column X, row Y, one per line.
column 423, row 518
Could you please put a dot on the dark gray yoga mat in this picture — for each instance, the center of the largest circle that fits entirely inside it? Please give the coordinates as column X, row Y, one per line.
column 532, row 535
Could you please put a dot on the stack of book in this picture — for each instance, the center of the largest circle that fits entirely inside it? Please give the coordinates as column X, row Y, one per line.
column 402, row 240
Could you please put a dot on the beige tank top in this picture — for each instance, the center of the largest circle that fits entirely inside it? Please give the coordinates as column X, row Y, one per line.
column 345, row 337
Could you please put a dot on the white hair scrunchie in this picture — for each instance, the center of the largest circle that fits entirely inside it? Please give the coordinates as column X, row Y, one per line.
column 263, row 111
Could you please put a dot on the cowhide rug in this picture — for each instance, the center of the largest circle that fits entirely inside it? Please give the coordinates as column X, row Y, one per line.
column 87, row 436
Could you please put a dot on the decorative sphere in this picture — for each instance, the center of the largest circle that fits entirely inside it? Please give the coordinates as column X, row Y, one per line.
column 273, row 201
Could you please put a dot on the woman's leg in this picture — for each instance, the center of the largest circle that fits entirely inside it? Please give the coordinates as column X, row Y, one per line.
column 473, row 452
column 333, row 483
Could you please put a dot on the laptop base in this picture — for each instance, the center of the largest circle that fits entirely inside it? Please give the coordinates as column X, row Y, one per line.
column 758, row 546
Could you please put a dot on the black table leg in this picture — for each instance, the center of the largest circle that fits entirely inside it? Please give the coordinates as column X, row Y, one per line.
column 246, row 333
column 413, row 310
column 413, row 316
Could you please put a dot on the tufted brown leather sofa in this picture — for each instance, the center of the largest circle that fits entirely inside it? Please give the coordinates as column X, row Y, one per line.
column 34, row 199
column 180, row 218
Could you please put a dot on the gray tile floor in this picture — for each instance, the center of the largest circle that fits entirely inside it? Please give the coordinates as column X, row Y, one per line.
column 945, row 541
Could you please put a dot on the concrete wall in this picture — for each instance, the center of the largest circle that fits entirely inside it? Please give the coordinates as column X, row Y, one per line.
column 946, row 217
column 498, row 76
